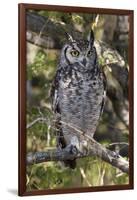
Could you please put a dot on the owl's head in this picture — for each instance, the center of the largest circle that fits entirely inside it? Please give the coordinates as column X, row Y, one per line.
column 80, row 53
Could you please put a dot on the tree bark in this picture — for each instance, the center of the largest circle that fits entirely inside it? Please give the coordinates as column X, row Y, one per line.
column 44, row 32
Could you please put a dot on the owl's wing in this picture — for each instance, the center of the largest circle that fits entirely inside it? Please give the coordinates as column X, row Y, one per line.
column 104, row 93
column 61, row 143
column 56, row 109
column 54, row 94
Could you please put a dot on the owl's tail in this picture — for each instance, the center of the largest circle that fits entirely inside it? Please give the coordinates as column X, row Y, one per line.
column 70, row 163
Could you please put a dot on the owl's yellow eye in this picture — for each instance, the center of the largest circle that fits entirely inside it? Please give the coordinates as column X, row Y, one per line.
column 89, row 53
column 74, row 53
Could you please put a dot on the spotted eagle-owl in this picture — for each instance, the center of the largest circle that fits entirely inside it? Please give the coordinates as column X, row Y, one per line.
column 78, row 92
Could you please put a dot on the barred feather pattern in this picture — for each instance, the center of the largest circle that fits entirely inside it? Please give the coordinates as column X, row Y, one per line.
column 80, row 102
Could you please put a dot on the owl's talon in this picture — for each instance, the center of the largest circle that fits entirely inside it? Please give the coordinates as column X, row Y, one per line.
column 73, row 149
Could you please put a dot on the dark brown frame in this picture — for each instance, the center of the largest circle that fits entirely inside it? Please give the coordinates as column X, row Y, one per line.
column 22, row 98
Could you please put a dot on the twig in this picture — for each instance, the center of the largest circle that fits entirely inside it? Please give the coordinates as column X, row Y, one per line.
column 35, row 121
column 95, row 22
column 84, row 176
column 41, row 31
column 118, row 143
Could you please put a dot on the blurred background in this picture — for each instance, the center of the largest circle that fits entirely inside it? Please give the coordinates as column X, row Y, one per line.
column 45, row 37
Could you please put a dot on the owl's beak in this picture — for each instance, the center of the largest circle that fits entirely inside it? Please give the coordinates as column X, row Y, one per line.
column 84, row 61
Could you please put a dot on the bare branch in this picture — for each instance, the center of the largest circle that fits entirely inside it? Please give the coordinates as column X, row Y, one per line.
column 38, row 34
column 118, row 143
column 94, row 25
column 92, row 148
column 96, row 149
column 84, row 176
column 35, row 121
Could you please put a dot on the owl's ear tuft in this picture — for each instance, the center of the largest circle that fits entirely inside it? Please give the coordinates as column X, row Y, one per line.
column 91, row 37
column 69, row 37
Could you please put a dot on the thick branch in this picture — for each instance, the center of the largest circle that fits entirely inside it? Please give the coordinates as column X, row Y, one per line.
column 90, row 148
column 39, row 29
column 95, row 149
column 41, row 41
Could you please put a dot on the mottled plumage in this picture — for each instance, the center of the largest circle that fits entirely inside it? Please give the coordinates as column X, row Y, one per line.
column 78, row 92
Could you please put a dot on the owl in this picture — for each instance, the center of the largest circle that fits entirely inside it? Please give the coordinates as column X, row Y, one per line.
column 78, row 93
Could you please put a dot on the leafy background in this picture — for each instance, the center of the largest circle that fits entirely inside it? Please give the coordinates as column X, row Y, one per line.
column 42, row 62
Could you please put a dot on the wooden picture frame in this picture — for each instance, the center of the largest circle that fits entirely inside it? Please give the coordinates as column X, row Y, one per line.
column 22, row 151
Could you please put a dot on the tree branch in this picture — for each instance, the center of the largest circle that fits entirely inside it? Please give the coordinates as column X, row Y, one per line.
column 39, row 119
column 39, row 28
column 84, row 176
column 92, row 148
column 95, row 149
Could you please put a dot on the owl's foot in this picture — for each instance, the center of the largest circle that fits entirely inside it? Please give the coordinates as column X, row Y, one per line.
column 75, row 142
column 75, row 146
column 71, row 149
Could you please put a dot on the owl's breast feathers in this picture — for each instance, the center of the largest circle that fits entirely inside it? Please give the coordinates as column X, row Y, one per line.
column 79, row 100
